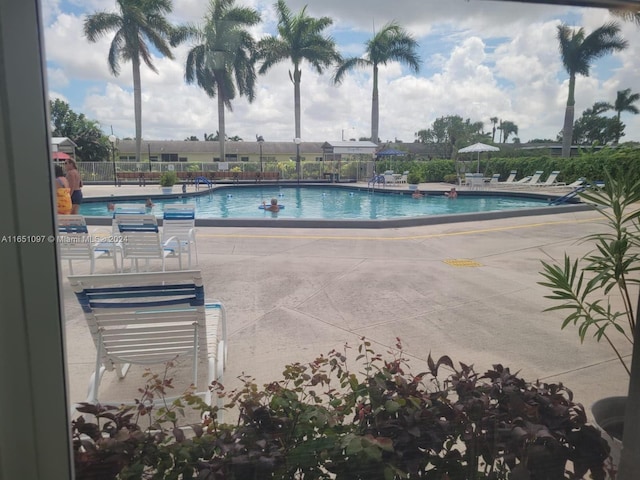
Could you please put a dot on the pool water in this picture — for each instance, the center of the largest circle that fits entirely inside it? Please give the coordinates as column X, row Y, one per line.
column 326, row 203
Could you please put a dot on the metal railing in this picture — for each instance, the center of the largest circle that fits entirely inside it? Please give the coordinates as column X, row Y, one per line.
column 105, row 172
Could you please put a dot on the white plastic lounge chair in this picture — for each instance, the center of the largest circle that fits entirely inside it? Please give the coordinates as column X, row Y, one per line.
column 108, row 241
column 475, row 181
column 75, row 243
column 551, row 180
column 389, row 177
column 179, row 221
column 495, row 179
column 150, row 319
column 535, row 179
column 573, row 185
column 141, row 240
column 511, row 179
column 403, row 177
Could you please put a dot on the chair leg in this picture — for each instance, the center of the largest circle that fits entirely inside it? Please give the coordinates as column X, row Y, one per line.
column 70, row 267
column 195, row 247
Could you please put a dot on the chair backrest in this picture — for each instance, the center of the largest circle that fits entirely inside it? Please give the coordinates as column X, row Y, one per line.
column 535, row 178
column 179, row 211
column 74, row 241
column 143, row 318
column 124, row 208
column 72, row 224
column 141, row 236
column 511, row 177
column 495, row 178
column 178, row 220
column 551, row 178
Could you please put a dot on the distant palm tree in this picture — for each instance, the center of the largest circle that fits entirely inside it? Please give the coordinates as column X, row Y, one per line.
column 136, row 21
column 390, row 44
column 508, row 128
column 577, row 51
column 221, row 62
column 299, row 38
column 494, row 121
column 625, row 103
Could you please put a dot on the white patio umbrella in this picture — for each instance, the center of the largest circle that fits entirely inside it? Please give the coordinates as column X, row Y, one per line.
column 479, row 147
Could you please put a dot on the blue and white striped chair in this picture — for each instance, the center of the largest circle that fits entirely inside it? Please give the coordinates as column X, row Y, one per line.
column 179, row 222
column 75, row 243
column 150, row 319
column 141, row 240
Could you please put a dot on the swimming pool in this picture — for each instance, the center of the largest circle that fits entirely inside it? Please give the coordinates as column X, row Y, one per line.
column 332, row 204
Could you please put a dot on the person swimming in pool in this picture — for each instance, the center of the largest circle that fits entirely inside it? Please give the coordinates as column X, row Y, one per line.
column 451, row 193
column 273, row 207
column 417, row 194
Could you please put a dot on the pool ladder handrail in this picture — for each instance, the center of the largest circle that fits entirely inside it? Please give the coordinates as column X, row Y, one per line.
column 206, row 181
column 379, row 179
column 568, row 196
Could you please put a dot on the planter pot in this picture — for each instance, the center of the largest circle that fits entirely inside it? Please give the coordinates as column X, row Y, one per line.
column 167, row 190
column 413, row 186
column 608, row 414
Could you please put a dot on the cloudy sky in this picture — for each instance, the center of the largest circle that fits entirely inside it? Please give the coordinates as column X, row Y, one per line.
column 480, row 59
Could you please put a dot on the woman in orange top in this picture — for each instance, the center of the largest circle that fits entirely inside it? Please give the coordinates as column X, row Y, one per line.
column 63, row 192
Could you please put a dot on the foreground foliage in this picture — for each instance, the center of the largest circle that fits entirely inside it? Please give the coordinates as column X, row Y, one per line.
column 323, row 421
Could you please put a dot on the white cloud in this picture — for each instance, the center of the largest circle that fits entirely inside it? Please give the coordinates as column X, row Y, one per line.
column 490, row 58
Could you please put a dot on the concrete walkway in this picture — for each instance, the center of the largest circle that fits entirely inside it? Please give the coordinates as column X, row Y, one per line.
column 293, row 294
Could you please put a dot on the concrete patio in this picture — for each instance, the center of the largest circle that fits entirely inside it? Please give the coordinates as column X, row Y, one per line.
column 292, row 294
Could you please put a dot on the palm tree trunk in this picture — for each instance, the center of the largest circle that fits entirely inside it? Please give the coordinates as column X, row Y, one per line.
column 567, row 129
column 221, row 126
column 137, row 104
column 618, row 133
column 375, row 106
column 297, row 75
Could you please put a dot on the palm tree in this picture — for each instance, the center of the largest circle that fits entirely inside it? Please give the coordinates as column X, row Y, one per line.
column 221, row 62
column 494, row 121
column 508, row 128
column 625, row 103
column 138, row 22
column 577, row 51
column 299, row 38
column 392, row 43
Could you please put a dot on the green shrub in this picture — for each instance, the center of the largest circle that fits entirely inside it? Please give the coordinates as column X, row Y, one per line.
column 451, row 178
column 414, row 178
column 168, row 179
column 321, row 420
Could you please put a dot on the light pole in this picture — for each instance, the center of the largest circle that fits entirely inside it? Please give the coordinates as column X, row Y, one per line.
column 260, row 142
column 112, row 139
column 297, row 142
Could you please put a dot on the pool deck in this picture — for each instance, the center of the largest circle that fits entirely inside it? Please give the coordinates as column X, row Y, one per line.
column 293, row 294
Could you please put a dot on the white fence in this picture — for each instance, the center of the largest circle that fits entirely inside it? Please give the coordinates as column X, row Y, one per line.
column 135, row 172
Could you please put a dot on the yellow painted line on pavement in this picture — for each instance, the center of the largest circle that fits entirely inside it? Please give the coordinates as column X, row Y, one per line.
column 462, row 262
column 397, row 238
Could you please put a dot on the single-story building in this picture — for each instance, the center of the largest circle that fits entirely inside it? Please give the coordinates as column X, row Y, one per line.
column 204, row 152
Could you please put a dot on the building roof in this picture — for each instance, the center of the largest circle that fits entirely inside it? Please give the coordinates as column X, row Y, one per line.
column 240, row 148
column 63, row 141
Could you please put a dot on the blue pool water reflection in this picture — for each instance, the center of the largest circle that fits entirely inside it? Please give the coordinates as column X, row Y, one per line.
column 328, row 203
